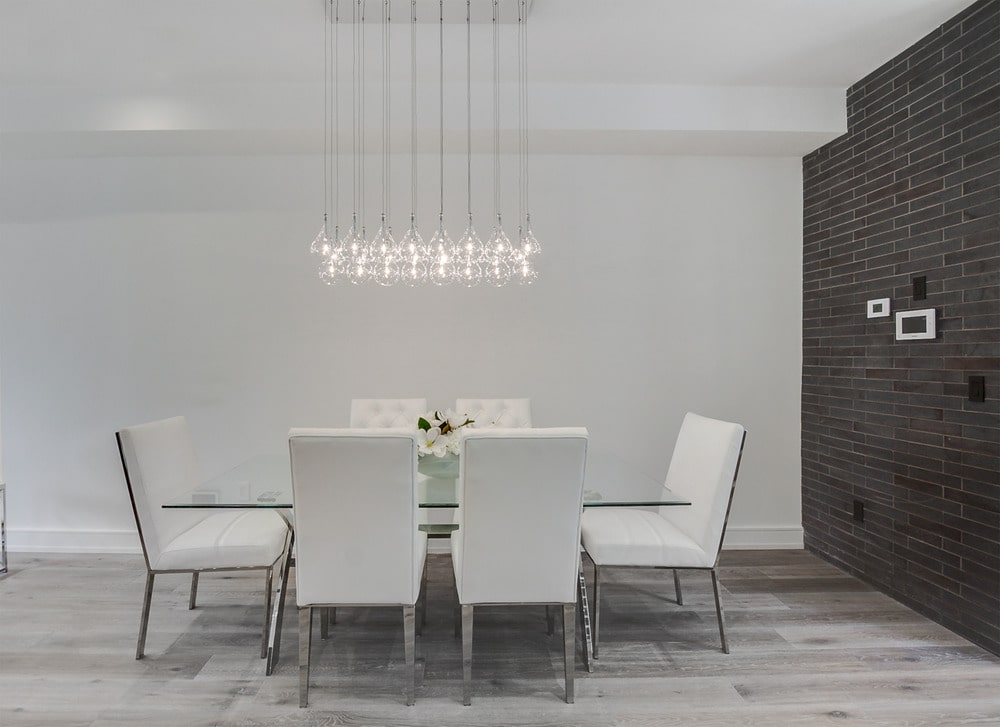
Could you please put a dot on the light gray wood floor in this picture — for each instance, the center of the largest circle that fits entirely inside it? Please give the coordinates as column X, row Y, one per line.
column 810, row 645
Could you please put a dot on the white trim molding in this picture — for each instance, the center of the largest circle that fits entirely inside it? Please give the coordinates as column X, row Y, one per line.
column 41, row 540
column 757, row 538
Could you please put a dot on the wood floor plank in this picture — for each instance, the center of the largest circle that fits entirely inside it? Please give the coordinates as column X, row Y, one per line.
column 810, row 645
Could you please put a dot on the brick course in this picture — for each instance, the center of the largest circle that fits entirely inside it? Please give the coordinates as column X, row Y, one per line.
column 912, row 188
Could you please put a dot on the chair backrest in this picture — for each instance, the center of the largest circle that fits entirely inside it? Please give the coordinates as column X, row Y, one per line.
column 355, row 499
column 387, row 413
column 703, row 468
column 503, row 413
column 520, row 496
column 159, row 463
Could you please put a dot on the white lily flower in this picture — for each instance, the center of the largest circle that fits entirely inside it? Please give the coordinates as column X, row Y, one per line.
column 431, row 442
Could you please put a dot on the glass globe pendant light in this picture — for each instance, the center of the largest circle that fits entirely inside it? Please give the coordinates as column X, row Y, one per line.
column 468, row 271
column 386, row 253
column 415, row 254
column 442, row 248
column 321, row 244
column 356, row 243
column 498, row 256
column 333, row 267
column 528, row 249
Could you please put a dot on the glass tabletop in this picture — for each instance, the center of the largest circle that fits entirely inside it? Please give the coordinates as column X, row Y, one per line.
column 264, row 481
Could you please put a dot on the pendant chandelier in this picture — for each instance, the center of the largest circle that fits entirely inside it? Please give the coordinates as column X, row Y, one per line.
column 383, row 260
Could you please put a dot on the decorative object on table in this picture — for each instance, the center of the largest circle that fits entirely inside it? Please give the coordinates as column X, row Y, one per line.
column 878, row 308
column 438, row 432
column 381, row 259
column 913, row 325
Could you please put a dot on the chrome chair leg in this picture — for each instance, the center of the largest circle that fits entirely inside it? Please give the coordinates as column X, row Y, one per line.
column 422, row 602
column 194, row 591
column 268, row 582
column 719, row 612
column 677, row 588
column 324, row 623
column 467, row 655
column 597, row 607
column 144, row 618
column 409, row 649
column 278, row 611
column 305, row 649
column 569, row 647
column 550, row 621
column 333, row 614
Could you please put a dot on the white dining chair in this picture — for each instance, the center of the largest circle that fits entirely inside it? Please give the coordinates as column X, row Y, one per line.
column 508, row 413
column 525, row 485
column 355, row 498
column 703, row 469
column 387, row 413
column 159, row 463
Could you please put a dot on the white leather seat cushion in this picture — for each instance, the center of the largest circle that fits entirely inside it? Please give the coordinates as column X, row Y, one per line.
column 624, row 537
column 231, row 539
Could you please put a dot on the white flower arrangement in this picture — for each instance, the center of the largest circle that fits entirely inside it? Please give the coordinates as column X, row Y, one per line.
column 439, row 432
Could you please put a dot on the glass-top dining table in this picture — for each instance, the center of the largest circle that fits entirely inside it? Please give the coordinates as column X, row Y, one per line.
column 265, row 482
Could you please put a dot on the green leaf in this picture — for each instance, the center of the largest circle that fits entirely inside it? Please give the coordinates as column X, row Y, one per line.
column 423, row 424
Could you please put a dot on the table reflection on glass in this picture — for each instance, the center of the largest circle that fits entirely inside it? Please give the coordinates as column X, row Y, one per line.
column 265, row 481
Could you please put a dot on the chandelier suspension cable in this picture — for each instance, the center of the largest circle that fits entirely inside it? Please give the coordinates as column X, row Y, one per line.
column 385, row 110
column 413, row 111
column 361, row 131
column 468, row 105
column 326, row 115
column 496, row 113
column 355, row 105
column 335, row 130
column 524, row 93
column 522, row 123
column 441, row 98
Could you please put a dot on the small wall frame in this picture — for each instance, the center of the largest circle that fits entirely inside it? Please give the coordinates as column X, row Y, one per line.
column 878, row 308
column 913, row 325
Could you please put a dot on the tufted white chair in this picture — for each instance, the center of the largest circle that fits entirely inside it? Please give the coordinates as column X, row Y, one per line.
column 386, row 413
column 703, row 468
column 159, row 463
column 355, row 498
column 499, row 471
column 507, row 413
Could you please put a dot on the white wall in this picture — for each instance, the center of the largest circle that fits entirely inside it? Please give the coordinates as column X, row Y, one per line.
column 138, row 288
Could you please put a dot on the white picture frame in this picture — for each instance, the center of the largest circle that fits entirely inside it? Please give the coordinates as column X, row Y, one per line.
column 878, row 308
column 915, row 325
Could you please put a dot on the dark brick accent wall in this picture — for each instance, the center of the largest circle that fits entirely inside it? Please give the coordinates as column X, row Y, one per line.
column 910, row 190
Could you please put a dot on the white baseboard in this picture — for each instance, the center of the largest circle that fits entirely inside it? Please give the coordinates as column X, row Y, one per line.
column 127, row 541
column 37, row 540
column 753, row 538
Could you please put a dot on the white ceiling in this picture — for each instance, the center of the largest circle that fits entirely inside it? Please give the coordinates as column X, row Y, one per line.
column 618, row 74
column 705, row 42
